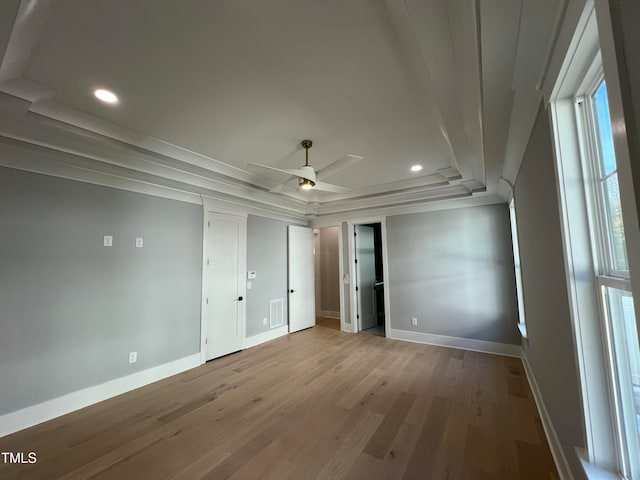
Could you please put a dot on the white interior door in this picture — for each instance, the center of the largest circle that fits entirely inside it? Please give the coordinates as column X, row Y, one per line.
column 317, row 277
column 365, row 276
column 225, row 263
column 302, row 308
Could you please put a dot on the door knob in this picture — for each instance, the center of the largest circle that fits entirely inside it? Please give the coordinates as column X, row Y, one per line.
column 291, row 291
column 239, row 299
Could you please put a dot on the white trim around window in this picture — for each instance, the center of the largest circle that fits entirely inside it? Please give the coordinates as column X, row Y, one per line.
column 522, row 325
column 592, row 280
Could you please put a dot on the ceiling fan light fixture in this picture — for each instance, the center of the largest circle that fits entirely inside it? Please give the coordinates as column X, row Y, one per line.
column 306, row 174
column 306, row 184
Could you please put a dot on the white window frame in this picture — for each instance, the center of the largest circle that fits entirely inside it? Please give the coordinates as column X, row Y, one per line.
column 589, row 147
column 605, row 274
column 587, row 277
column 522, row 325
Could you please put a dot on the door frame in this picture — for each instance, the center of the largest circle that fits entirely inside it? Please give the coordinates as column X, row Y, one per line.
column 343, row 324
column 242, row 252
column 343, row 320
column 353, row 299
column 316, row 268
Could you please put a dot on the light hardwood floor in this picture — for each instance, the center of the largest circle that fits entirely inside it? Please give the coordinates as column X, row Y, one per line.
column 316, row 404
column 328, row 322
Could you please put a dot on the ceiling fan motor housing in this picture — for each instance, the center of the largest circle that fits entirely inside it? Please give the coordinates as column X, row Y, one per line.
column 309, row 173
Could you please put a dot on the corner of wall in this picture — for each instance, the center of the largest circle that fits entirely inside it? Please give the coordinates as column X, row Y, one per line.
column 552, row 437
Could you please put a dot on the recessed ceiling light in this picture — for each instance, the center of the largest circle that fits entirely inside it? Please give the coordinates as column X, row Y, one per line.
column 416, row 168
column 106, row 96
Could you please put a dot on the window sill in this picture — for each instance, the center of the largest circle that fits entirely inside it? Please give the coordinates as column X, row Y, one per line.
column 523, row 330
column 593, row 472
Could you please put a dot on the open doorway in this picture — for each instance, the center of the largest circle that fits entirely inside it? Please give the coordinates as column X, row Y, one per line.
column 327, row 276
column 369, row 279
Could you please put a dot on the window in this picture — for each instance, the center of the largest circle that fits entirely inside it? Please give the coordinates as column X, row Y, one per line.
column 608, row 246
column 516, row 261
column 595, row 192
column 606, row 174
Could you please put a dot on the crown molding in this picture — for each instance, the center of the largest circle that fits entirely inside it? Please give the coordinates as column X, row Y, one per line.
column 16, row 156
column 102, row 159
column 38, row 101
column 431, row 206
column 474, row 186
column 242, row 208
column 450, row 173
column 40, row 159
column 389, row 200
column 92, row 127
column 53, row 125
column 53, row 135
column 15, row 153
column 97, row 132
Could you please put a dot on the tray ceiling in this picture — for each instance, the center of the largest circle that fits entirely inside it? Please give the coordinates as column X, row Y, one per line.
column 216, row 85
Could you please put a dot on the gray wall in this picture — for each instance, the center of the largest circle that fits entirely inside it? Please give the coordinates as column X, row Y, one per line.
column 453, row 270
column 329, row 270
column 71, row 309
column 551, row 352
column 267, row 256
column 625, row 18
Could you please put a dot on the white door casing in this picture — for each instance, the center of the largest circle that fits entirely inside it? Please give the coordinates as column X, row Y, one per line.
column 317, row 272
column 351, row 298
column 365, row 276
column 224, row 304
column 302, row 309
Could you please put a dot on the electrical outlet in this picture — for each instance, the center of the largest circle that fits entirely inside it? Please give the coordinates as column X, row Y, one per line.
column 139, row 242
column 108, row 240
column 414, row 321
column 133, row 357
column 264, row 321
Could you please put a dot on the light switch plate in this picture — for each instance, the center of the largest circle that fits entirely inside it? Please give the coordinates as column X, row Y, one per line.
column 248, row 285
column 108, row 240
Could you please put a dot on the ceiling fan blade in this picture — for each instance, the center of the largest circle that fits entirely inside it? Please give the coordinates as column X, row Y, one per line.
column 280, row 188
column 289, row 171
column 338, row 165
column 328, row 187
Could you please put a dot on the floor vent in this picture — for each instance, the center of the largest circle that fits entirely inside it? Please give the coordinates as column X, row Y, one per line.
column 276, row 313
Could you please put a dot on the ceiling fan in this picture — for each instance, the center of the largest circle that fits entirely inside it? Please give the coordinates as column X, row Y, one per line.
column 307, row 175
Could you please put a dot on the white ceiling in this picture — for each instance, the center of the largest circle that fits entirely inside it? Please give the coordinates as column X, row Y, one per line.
column 211, row 86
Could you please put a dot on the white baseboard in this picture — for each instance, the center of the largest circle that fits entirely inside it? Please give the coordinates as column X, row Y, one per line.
column 554, row 443
column 35, row 414
column 457, row 342
column 266, row 336
column 329, row 314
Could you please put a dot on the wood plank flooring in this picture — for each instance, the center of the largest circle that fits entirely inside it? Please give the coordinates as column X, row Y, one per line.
column 318, row 404
column 328, row 322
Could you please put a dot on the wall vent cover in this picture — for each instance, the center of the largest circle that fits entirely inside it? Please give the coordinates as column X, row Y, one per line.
column 276, row 313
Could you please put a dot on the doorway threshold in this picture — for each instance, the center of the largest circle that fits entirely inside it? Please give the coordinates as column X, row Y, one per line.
column 377, row 330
